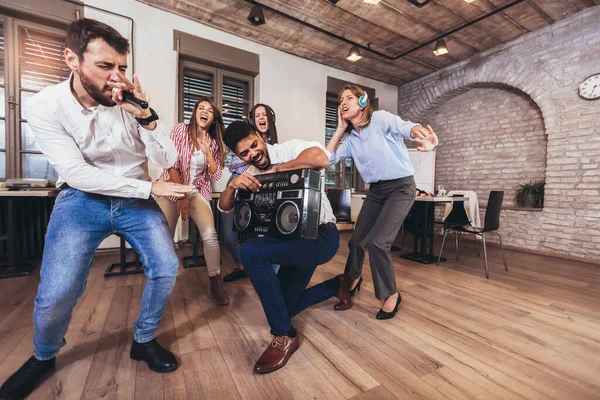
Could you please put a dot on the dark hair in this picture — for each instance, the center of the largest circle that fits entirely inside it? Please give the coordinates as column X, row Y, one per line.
column 215, row 130
column 236, row 132
column 83, row 31
column 272, row 130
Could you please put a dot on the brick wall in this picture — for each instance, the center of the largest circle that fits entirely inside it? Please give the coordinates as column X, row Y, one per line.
column 493, row 139
column 513, row 114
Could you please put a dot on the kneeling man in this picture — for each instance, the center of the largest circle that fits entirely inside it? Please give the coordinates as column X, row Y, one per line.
column 284, row 294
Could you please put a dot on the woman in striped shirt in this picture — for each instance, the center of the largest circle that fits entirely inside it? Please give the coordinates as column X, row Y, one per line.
column 200, row 157
column 262, row 119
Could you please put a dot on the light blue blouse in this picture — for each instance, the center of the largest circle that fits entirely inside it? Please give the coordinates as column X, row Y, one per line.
column 379, row 151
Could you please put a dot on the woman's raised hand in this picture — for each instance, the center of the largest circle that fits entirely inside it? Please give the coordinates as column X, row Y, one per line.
column 426, row 138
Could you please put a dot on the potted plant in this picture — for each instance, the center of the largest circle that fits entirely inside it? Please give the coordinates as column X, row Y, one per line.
column 530, row 195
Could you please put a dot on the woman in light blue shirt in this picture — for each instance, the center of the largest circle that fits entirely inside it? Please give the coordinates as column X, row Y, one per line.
column 375, row 141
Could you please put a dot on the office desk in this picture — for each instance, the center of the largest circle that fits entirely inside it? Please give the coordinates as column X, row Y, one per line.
column 424, row 208
column 21, row 245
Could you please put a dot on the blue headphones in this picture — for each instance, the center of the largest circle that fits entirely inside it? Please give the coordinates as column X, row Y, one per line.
column 362, row 100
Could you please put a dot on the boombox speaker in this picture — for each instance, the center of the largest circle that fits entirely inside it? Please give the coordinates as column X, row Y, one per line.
column 287, row 205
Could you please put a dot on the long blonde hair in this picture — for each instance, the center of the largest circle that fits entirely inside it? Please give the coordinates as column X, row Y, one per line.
column 215, row 131
column 367, row 112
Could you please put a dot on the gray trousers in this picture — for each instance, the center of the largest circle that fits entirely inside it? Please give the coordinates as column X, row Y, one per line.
column 380, row 218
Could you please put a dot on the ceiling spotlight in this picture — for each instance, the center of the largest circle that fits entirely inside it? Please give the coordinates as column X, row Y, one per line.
column 469, row 1
column 440, row 48
column 372, row 1
column 256, row 16
column 419, row 3
column 354, row 54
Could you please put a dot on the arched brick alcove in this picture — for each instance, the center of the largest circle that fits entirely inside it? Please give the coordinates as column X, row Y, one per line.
column 492, row 137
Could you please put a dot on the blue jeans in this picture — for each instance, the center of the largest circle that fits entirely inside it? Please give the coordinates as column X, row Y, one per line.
column 284, row 294
column 78, row 224
column 230, row 237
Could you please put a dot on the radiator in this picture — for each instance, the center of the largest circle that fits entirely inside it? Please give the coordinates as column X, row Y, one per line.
column 30, row 220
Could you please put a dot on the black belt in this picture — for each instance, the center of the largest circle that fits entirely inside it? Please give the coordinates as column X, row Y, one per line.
column 384, row 181
column 327, row 225
column 391, row 180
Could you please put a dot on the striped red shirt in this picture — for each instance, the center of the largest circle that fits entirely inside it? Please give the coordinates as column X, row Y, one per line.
column 185, row 148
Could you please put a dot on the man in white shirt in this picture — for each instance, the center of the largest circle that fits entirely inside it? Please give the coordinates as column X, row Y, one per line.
column 284, row 294
column 99, row 146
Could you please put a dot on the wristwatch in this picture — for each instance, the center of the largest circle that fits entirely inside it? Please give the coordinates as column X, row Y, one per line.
column 146, row 121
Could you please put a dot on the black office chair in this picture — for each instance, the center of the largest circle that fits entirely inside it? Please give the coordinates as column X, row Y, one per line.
column 457, row 218
column 341, row 205
column 491, row 224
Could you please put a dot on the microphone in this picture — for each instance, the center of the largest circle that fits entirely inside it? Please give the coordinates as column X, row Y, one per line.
column 127, row 96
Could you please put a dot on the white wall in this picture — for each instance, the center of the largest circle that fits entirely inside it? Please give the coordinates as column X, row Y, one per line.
column 293, row 86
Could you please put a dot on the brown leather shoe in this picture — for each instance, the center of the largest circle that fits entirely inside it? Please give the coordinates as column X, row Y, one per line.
column 277, row 354
column 217, row 290
column 345, row 300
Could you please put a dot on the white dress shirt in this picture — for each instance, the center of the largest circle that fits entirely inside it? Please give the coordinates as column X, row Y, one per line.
column 101, row 150
column 287, row 151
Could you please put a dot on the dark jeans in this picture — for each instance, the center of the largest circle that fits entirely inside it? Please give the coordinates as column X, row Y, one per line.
column 380, row 218
column 284, row 294
column 230, row 237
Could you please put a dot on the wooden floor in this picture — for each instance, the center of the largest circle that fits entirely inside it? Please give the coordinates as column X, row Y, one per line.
column 531, row 333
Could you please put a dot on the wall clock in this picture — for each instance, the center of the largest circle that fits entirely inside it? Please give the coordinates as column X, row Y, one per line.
column 589, row 89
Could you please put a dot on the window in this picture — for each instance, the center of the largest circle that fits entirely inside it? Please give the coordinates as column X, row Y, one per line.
column 342, row 175
column 31, row 58
column 230, row 90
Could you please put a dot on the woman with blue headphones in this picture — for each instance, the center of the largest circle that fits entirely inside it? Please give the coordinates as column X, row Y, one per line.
column 262, row 118
column 375, row 141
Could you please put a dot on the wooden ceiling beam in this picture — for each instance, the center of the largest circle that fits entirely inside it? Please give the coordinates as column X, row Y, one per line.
column 336, row 22
column 584, row 3
column 507, row 17
column 542, row 13
column 466, row 19
column 556, row 9
column 416, row 21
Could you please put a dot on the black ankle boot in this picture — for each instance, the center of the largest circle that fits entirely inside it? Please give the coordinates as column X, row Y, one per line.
column 158, row 358
column 22, row 382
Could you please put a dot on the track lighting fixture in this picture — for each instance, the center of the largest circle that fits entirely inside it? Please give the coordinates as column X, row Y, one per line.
column 440, row 48
column 354, row 54
column 419, row 3
column 256, row 16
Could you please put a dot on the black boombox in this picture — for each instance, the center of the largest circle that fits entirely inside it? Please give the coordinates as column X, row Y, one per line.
column 287, row 205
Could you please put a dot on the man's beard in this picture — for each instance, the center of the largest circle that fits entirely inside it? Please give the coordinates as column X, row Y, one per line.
column 267, row 164
column 96, row 93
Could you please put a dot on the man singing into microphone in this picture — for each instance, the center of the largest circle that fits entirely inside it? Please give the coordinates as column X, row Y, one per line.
column 99, row 146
